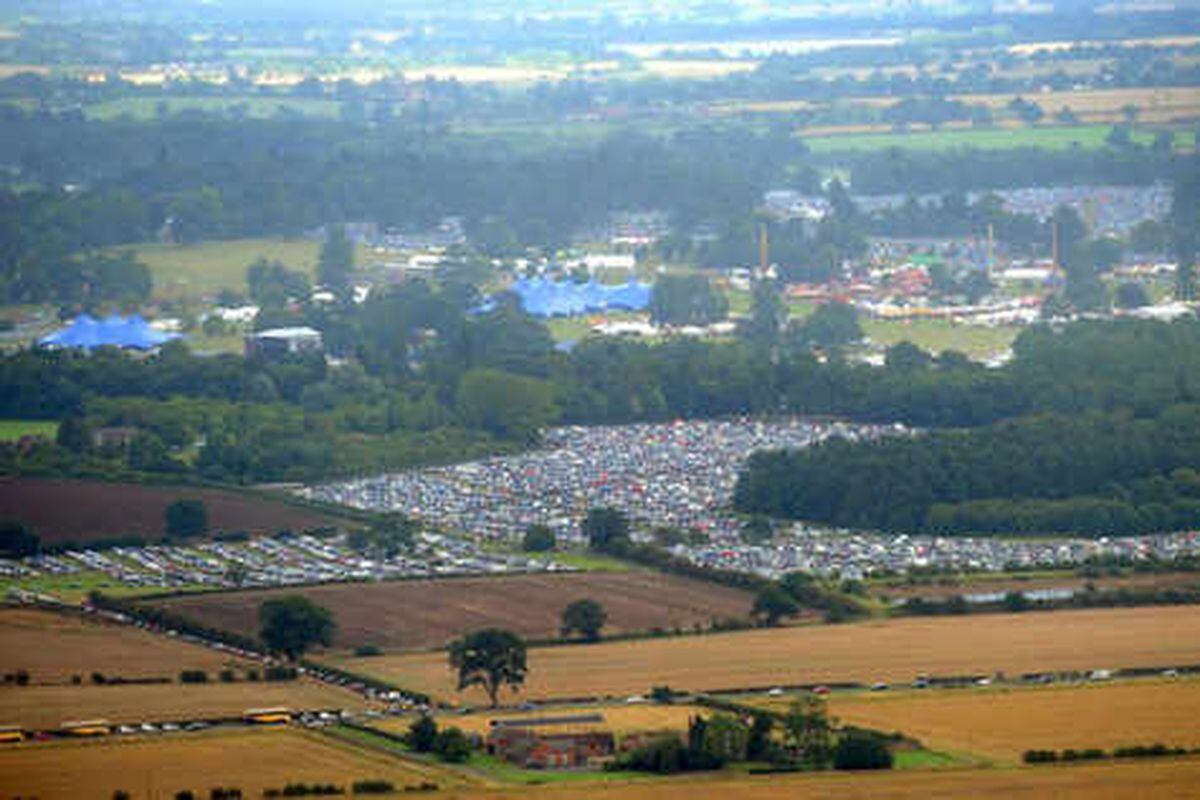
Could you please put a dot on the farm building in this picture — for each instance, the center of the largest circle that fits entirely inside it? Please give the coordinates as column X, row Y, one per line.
column 551, row 743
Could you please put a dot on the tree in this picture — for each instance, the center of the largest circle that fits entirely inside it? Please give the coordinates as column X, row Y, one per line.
column 807, row 731
column 832, row 325
column 767, row 314
column 452, row 746
column 422, row 733
column 757, row 529
column 489, row 658
column 1131, row 295
column 386, row 536
column 538, row 539
column 585, row 616
column 508, row 406
column 292, row 624
column 17, row 541
column 1184, row 223
column 862, row 750
column 772, row 604
column 606, row 528
column 186, row 518
column 335, row 264
column 73, row 433
column 686, row 300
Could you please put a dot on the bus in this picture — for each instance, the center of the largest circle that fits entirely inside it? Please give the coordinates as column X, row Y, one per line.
column 268, row 716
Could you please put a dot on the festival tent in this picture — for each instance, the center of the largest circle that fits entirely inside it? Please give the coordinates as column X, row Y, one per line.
column 86, row 332
column 541, row 297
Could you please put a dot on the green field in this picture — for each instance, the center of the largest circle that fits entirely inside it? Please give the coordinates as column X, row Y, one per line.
column 1089, row 137
column 13, row 429
column 195, row 270
column 936, row 335
column 144, row 108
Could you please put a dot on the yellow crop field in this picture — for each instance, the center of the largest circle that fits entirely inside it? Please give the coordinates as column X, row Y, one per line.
column 878, row 650
column 1165, row 778
column 1003, row 723
column 249, row 759
column 53, row 647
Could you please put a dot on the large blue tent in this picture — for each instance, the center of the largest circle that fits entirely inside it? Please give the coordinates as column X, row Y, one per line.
column 86, row 332
column 542, row 297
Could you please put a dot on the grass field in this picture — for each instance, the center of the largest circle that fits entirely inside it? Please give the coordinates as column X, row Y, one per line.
column 429, row 613
column 13, row 429
column 881, row 650
column 74, row 587
column 159, row 767
column 1004, row 723
column 1089, row 137
column 146, row 108
column 938, row 335
column 78, row 511
column 196, row 270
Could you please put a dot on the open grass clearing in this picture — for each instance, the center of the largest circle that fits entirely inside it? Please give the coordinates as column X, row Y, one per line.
column 205, row 268
column 1088, row 137
column 935, row 336
column 12, row 430
column 430, row 613
column 146, row 108
column 1003, row 723
column 895, row 650
column 157, row 767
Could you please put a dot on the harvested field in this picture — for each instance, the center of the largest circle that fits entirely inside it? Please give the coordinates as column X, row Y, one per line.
column 422, row 614
column 43, row 707
column 886, row 650
column 1175, row 778
column 81, row 511
column 53, row 647
column 1004, row 723
column 251, row 760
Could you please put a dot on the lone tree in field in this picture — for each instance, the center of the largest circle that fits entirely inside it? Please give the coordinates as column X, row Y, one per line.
column 490, row 658
column 773, row 604
column 186, row 518
column 585, row 616
column 293, row 624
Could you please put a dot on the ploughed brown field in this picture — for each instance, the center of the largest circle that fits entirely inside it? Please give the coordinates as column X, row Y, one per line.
column 53, row 648
column 81, row 511
column 1004, row 723
column 430, row 613
column 886, row 650
column 160, row 766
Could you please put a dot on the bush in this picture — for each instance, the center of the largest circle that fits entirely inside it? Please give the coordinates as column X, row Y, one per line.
column 280, row 673
column 186, row 794
column 186, row 518
column 422, row 734
column 373, row 787
column 664, row 756
column 367, row 650
column 98, row 678
column 452, row 746
column 121, row 794
column 862, row 750
column 227, row 676
column 538, row 539
column 193, row 676
column 221, row 793
column 1039, row 757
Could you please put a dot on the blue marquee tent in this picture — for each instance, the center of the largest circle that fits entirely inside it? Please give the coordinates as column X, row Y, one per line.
column 542, row 297
column 86, row 332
